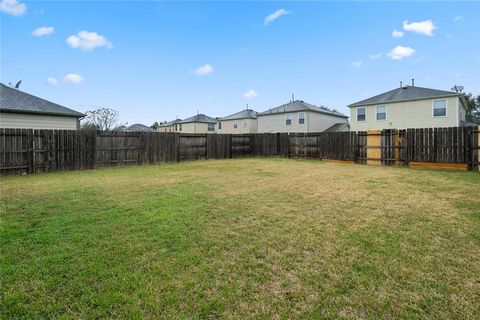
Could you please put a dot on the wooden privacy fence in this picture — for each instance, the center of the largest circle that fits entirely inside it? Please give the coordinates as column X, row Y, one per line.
column 32, row 151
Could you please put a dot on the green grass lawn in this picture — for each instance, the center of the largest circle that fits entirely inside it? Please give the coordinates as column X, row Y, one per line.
column 250, row 238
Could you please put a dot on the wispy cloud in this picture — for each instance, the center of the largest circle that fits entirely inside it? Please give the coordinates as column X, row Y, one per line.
column 203, row 70
column 250, row 94
column 400, row 52
column 43, row 31
column 397, row 34
column 375, row 56
column 88, row 41
column 457, row 18
column 13, row 7
column 274, row 16
column 357, row 64
column 73, row 78
column 52, row 81
column 424, row 27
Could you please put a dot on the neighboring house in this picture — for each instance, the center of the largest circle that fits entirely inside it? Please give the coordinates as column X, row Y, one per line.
column 137, row 127
column 409, row 107
column 22, row 110
column 197, row 124
column 244, row 121
column 171, row 126
column 299, row 116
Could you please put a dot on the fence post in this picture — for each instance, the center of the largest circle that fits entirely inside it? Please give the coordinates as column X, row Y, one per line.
column 374, row 143
column 396, row 146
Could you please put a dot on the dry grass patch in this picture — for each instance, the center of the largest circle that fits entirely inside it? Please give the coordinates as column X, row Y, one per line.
column 250, row 238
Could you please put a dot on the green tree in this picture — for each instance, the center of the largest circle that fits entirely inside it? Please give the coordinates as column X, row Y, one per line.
column 473, row 107
column 155, row 125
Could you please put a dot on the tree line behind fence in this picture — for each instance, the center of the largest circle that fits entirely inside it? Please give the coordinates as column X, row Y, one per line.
column 32, row 151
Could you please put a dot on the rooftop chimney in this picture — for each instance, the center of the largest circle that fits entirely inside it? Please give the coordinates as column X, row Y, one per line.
column 413, row 82
column 401, row 84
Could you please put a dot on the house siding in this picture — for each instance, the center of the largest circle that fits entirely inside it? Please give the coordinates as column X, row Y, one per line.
column 37, row 121
column 227, row 126
column 314, row 122
column 409, row 114
column 196, row 127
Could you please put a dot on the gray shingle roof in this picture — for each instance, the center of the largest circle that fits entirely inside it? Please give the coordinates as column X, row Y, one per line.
column 169, row 123
column 338, row 126
column 299, row 105
column 244, row 114
column 407, row 93
column 13, row 100
column 139, row 127
column 199, row 118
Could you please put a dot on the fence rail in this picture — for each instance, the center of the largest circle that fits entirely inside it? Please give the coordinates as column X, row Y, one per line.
column 32, row 151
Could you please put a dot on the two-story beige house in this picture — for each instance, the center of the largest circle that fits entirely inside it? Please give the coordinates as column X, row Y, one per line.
column 170, row 126
column 299, row 116
column 199, row 123
column 244, row 121
column 409, row 107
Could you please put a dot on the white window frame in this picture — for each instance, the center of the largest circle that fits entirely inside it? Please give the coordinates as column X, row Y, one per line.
column 376, row 112
column 303, row 113
column 235, row 124
column 288, row 116
column 245, row 123
column 211, row 125
column 446, row 108
column 356, row 114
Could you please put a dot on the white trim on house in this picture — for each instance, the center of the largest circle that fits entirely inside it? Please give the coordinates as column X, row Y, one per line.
column 376, row 112
column 446, row 108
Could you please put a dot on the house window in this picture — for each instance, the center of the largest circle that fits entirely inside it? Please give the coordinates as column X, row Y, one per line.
column 288, row 119
column 440, row 108
column 245, row 123
column 301, row 118
column 381, row 112
column 176, row 129
column 180, row 127
column 361, row 114
column 211, row 127
column 219, row 125
column 235, row 125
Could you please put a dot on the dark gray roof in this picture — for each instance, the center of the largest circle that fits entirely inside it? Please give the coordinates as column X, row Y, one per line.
column 407, row 93
column 13, row 100
column 299, row 105
column 338, row 126
column 139, row 127
column 169, row 123
column 199, row 118
column 244, row 114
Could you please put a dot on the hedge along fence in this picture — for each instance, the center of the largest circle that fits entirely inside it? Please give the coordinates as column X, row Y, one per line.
column 32, row 151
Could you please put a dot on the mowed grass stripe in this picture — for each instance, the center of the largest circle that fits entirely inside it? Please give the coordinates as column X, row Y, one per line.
column 241, row 238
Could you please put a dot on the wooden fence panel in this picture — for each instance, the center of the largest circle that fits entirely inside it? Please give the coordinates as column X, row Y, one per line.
column 192, row 147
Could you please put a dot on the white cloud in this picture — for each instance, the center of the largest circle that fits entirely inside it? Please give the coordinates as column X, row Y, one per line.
column 250, row 94
column 397, row 34
column 274, row 16
column 374, row 56
column 400, row 52
column 73, row 78
column 203, row 70
column 424, row 27
column 13, row 7
column 357, row 64
column 52, row 81
column 43, row 31
column 457, row 18
column 86, row 40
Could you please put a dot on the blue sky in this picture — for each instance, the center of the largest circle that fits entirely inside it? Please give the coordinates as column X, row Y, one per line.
column 152, row 61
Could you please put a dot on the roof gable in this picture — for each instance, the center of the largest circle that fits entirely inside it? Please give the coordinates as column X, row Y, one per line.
column 407, row 93
column 244, row 114
column 13, row 100
column 299, row 105
column 199, row 118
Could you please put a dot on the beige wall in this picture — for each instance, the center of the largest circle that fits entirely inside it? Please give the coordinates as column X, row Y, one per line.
column 409, row 114
column 227, row 126
column 314, row 122
column 37, row 121
column 195, row 127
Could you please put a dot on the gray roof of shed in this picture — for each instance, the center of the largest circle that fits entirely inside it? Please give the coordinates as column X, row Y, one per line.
column 407, row 93
column 244, row 114
column 199, row 118
column 338, row 126
column 299, row 105
column 13, row 100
